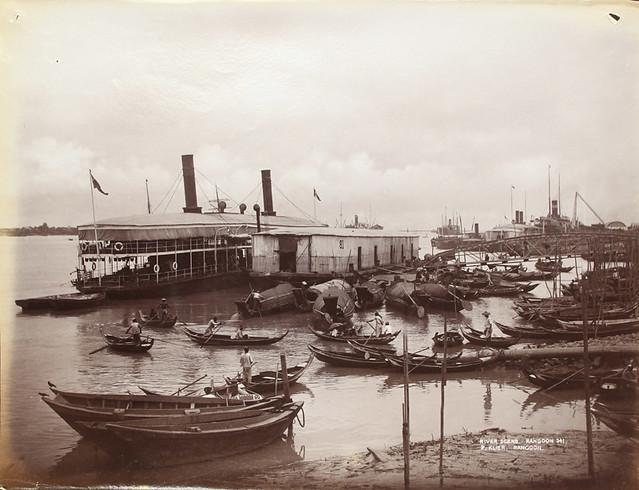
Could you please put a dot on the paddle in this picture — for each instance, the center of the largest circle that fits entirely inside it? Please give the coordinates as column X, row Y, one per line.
column 211, row 336
column 466, row 304
column 98, row 350
column 190, row 384
column 420, row 309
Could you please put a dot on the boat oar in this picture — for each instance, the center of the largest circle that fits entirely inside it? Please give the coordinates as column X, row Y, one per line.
column 190, row 384
column 466, row 304
column 98, row 350
column 420, row 309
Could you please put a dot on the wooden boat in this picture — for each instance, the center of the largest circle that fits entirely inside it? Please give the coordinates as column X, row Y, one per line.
column 618, row 387
column 428, row 364
column 71, row 301
column 525, row 276
column 573, row 334
column 564, row 378
column 316, row 290
column 578, row 325
column 500, row 291
column 282, row 297
column 370, row 294
column 193, row 438
column 399, row 294
column 266, row 382
column 454, row 339
column 476, row 337
column 147, row 321
column 522, row 332
column 334, row 307
column 382, row 339
column 349, row 359
column 127, row 344
column 436, row 296
column 624, row 424
column 223, row 339
column 74, row 407
column 551, row 266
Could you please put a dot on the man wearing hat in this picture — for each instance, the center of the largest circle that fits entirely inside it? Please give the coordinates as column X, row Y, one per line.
column 488, row 326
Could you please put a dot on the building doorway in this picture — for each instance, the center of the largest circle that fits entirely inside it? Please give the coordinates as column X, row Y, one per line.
column 288, row 254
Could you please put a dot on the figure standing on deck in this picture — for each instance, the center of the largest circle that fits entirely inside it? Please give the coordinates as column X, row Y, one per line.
column 379, row 324
column 212, row 326
column 488, row 326
column 246, row 362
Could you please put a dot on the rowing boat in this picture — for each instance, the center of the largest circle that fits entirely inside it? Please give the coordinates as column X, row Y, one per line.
column 453, row 339
column 222, row 339
column 476, row 337
column 127, row 344
column 75, row 407
column 349, row 359
column 71, row 301
column 266, row 382
column 369, row 339
column 156, row 322
column 429, row 364
column 282, row 297
column 193, row 438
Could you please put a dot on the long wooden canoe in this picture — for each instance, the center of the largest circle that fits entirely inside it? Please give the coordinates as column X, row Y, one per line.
column 222, row 339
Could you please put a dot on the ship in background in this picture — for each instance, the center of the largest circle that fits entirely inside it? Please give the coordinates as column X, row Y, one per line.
column 452, row 234
column 166, row 254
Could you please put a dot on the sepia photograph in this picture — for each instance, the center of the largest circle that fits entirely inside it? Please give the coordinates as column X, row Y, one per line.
column 301, row 244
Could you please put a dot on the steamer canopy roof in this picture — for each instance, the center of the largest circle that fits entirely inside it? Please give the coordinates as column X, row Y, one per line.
column 341, row 232
column 177, row 226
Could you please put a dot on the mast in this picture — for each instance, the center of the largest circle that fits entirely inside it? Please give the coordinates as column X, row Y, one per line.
column 549, row 208
column 148, row 201
column 95, row 230
column 559, row 195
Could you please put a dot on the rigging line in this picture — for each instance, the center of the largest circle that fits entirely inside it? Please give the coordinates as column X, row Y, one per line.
column 250, row 193
column 167, row 193
column 217, row 187
column 293, row 204
column 171, row 198
column 204, row 192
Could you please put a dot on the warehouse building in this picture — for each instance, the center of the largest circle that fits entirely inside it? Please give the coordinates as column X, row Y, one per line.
column 328, row 250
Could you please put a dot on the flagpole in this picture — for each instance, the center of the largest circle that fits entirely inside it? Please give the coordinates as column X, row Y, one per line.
column 95, row 229
column 148, row 201
column 314, row 206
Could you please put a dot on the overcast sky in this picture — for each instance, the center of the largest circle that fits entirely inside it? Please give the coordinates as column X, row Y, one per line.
column 406, row 109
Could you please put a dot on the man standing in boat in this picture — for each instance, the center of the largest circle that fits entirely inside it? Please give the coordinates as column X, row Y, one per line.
column 246, row 362
column 379, row 324
column 135, row 330
column 488, row 325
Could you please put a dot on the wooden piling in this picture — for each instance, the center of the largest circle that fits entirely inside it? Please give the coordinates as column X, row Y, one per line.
column 287, row 392
column 406, row 417
column 441, row 410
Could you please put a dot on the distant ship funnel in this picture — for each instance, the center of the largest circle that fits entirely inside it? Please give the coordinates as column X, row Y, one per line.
column 190, row 194
column 268, row 193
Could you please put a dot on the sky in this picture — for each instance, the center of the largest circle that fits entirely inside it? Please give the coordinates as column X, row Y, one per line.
column 406, row 111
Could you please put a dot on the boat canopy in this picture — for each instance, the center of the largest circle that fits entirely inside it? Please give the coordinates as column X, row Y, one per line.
column 177, row 226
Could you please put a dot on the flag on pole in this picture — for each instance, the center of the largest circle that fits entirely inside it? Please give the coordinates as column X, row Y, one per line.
column 512, row 186
column 96, row 185
column 315, row 195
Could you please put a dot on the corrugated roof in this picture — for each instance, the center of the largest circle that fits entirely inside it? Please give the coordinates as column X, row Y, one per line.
column 198, row 219
column 184, row 225
column 345, row 232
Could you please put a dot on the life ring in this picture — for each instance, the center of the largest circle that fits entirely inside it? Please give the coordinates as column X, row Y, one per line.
column 156, row 268
column 94, row 266
column 118, row 247
column 175, row 266
column 84, row 246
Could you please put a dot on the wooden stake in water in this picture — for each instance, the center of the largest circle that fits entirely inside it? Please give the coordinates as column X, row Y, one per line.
column 406, row 417
column 591, row 461
column 287, row 392
column 441, row 412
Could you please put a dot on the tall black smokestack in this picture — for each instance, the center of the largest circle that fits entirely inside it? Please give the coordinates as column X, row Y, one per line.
column 190, row 194
column 268, row 193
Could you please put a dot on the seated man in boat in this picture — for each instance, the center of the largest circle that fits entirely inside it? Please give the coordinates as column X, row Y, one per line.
column 208, row 392
column 246, row 363
column 488, row 326
column 629, row 372
column 212, row 326
column 135, row 331
column 153, row 314
column 164, row 309
column 239, row 333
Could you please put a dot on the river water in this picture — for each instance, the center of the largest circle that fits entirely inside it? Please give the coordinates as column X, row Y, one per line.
column 346, row 410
